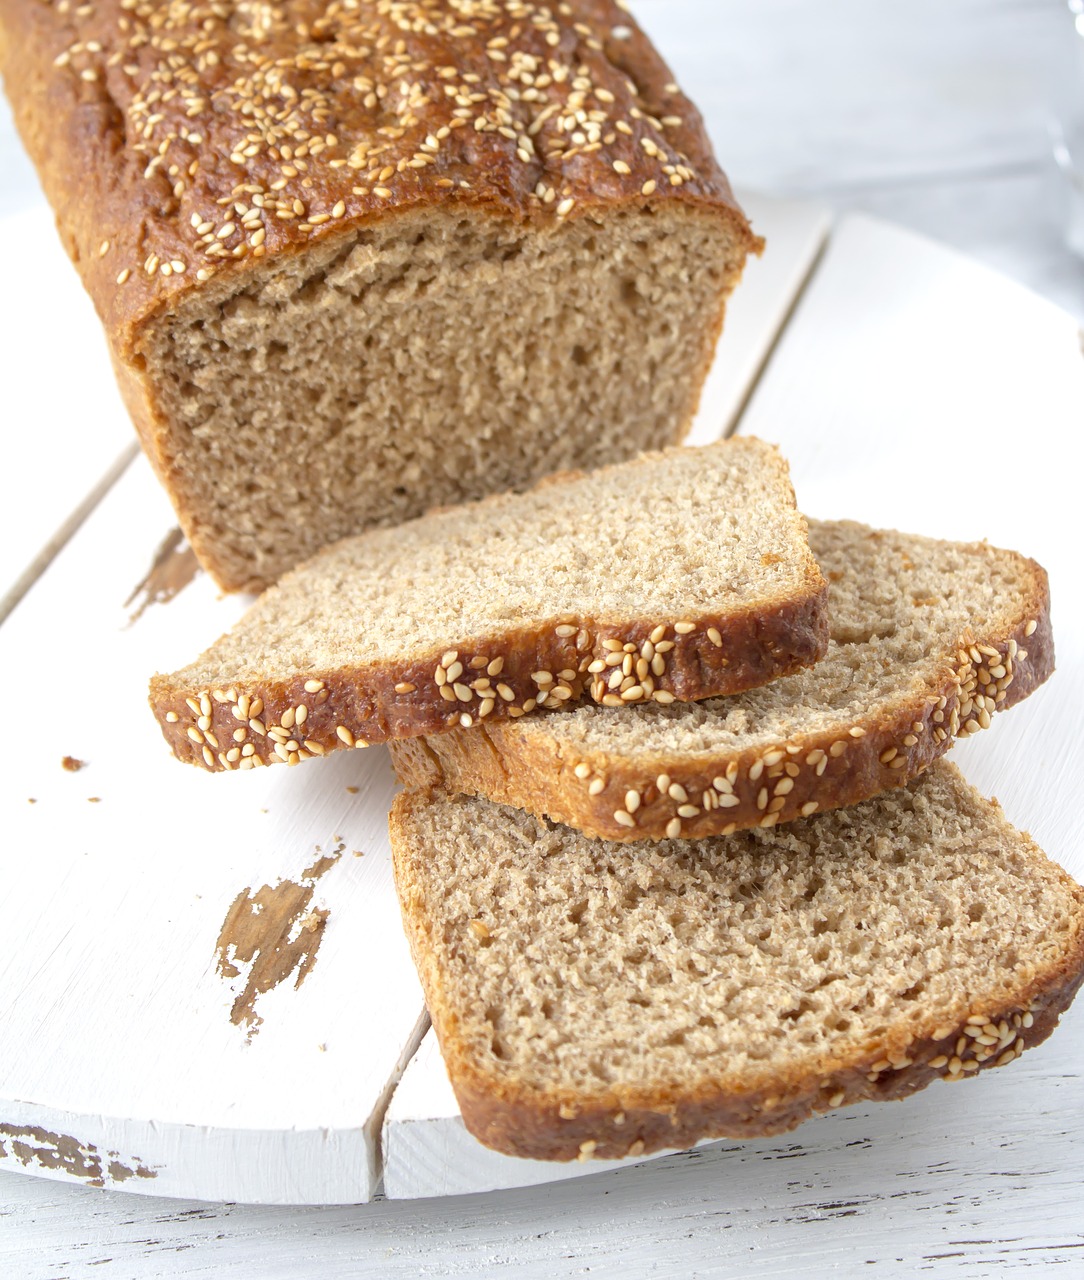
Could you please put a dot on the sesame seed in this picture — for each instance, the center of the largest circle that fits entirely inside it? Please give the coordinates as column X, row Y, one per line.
column 1030, row 630
column 673, row 828
column 344, row 735
column 632, row 801
column 684, row 628
column 624, row 818
column 648, row 188
column 597, row 786
column 565, row 207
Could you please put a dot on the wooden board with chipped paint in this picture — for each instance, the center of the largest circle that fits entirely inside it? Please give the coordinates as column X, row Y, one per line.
column 205, row 990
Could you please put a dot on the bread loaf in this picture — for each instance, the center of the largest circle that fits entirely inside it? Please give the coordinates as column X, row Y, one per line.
column 595, row 999
column 680, row 575
column 356, row 259
column 928, row 640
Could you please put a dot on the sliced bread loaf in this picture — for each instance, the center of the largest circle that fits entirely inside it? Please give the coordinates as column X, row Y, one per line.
column 601, row 999
column 356, row 259
column 687, row 571
column 928, row 640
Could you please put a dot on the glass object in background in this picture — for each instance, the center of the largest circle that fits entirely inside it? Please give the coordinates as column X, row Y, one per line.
column 1068, row 136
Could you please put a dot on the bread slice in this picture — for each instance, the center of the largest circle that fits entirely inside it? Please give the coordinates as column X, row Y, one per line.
column 357, row 259
column 928, row 640
column 601, row 999
column 688, row 569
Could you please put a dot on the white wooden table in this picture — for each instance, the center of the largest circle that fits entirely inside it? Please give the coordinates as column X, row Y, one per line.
column 932, row 115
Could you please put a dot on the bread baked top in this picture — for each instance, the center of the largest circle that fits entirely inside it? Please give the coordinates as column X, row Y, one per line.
column 928, row 640
column 601, row 999
column 180, row 140
column 688, row 572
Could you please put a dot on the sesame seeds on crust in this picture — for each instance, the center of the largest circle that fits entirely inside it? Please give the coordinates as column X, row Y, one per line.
column 799, row 778
column 245, row 724
column 578, row 1131
column 231, row 134
column 667, row 796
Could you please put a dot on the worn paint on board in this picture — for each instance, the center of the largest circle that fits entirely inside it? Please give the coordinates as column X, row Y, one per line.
column 40, row 1148
column 172, row 569
column 271, row 934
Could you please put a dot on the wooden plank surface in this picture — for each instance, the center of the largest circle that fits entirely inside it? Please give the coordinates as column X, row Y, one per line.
column 912, row 389
column 65, row 427
column 131, row 1024
column 206, row 1070
column 854, row 1195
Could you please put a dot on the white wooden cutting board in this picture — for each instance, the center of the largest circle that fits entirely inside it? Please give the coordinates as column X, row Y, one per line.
column 911, row 389
column 66, row 434
column 204, row 987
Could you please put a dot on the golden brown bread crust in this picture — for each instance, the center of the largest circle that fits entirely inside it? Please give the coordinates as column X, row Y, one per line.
column 147, row 120
column 181, row 144
column 502, row 676
column 552, row 1125
column 757, row 787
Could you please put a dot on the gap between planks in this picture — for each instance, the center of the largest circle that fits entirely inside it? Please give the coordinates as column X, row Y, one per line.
column 65, row 532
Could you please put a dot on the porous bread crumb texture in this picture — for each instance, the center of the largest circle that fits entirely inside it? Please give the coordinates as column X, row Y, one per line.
column 928, row 640
column 204, row 160
column 429, row 360
column 601, row 999
column 501, row 607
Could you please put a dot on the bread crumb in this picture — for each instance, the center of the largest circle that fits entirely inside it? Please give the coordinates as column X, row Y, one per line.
column 353, row 790
column 72, row 764
column 94, row 799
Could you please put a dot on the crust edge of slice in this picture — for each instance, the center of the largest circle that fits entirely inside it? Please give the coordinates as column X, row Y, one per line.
column 554, row 1125
column 828, row 770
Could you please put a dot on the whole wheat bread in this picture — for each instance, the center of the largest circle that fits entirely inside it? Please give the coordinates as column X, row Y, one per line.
column 928, row 640
column 601, row 999
column 688, row 572
column 355, row 259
